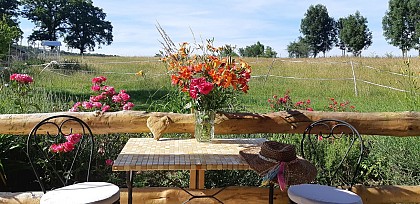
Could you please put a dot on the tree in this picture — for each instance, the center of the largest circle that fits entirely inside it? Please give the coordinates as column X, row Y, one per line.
column 7, row 35
column 299, row 49
column 415, row 10
column 257, row 50
column 269, row 52
column 354, row 33
column 48, row 16
column 400, row 23
column 9, row 10
column 319, row 29
column 228, row 50
column 86, row 26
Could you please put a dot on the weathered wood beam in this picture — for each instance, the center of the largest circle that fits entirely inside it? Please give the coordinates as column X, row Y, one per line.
column 377, row 123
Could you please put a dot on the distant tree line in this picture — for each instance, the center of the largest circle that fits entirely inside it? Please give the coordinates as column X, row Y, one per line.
column 82, row 25
column 401, row 26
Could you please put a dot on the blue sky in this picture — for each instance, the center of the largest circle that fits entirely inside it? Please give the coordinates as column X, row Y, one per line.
column 274, row 23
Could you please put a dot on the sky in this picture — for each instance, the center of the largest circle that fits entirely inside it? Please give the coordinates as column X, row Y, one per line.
column 239, row 23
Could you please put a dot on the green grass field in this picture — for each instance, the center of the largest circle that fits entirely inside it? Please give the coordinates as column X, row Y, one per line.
column 316, row 79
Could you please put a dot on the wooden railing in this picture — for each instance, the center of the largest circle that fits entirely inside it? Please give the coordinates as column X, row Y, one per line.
column 399, row 124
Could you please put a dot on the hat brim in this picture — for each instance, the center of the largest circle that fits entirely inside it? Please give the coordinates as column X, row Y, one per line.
column 297, row 171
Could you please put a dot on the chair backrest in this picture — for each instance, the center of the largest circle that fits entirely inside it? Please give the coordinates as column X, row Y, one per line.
column 60, row 150
column 336, row 149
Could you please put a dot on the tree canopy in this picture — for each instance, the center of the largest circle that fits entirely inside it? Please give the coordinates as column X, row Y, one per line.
column 401, row 24
column 257, row 50
column 9, row 9
column 48, row 16
column 86, row 26
column 318, row 29
column 298, row 49
column 354, row 33
column 82, row 25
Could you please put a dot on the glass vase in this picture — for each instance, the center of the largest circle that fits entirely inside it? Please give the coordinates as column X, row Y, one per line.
column 204, row 125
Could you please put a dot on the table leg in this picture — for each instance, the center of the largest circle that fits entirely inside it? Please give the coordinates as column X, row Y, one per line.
column 196, row 179
column 271, row 194
column 130, row 187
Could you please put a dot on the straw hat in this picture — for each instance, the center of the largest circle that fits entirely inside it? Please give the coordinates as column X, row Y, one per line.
column 270, row 155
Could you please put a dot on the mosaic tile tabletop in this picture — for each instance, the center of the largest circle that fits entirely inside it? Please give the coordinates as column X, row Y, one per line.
column 141, row 154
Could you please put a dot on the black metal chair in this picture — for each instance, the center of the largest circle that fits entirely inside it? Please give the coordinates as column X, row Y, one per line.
column 323, row 141
column 60, row 151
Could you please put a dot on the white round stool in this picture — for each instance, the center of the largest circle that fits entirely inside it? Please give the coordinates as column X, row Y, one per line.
column 320, row 194
column 86, row 192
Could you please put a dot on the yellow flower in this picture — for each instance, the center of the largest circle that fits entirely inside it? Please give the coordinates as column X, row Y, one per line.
column 139, row 73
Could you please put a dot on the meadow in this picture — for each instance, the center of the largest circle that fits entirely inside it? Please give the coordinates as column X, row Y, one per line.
column 368, row 84
column 316, row 79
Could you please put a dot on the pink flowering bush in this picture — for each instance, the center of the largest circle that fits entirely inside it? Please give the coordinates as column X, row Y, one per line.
column 21, row 83
column 21, row 92
column 335, row 106
column 105, row 100
column 285, row 103
column 67, row 146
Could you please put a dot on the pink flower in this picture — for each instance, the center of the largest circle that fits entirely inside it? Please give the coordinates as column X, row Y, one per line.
column 68, row 146
column 320, row 137
column 310, row 109
column 109, row 90
column 95, row 87
column 128, row 106
column 97, row 98
column 21, row 78
column 106, row 108
column 205, row 88
column 73, row 138
column 87, row 105
column 193, row 92
column 97, row 104
column 98, row 80
column 56, row 148
column 124, row 96
column 109, row 162
column 116, row 99
column 75, row 107
column 200, row 85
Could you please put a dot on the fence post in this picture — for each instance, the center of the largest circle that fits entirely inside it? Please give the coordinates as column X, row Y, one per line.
column 354, row 78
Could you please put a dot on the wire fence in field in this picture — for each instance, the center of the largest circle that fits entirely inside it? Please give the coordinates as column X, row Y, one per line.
column 52, row 67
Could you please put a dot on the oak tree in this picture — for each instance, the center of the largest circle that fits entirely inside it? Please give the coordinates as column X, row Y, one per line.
column 48, row 16
column 86, row 26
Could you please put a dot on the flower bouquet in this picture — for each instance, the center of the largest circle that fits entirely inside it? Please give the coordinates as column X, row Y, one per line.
column 209, row 79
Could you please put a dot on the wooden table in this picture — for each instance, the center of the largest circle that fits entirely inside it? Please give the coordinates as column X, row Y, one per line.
column 142, row 154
